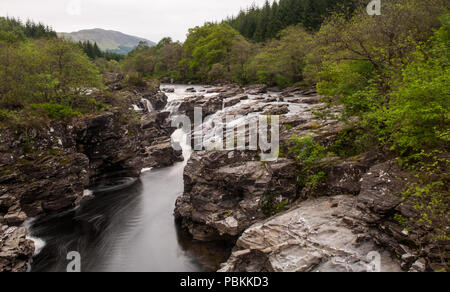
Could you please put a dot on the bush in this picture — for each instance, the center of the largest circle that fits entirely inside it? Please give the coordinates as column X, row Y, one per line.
column 350, row 83
column 430, row 198
column 135, row 79
column 308, row 153
column 353, row 141
column 418, row 118
column 5, row 115
column 56, row 111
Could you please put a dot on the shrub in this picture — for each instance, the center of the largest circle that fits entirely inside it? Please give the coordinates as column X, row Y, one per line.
column 353, row 141
column 417, row 118
column 5, row 115
column 56, row 111
column 135, row 79
column 308, row 153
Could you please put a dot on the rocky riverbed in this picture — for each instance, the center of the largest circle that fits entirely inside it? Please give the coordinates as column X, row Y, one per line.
column 48, row 169
column 278, row 226
column 229, row 195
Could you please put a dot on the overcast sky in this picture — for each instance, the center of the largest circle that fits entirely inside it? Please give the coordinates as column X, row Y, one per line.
column 151, row 19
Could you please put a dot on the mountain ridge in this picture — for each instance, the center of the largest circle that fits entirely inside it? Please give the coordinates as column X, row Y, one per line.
column 107, row 40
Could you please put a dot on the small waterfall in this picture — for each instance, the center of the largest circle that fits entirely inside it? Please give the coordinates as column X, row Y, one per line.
column 173, row 107
column 148, row 105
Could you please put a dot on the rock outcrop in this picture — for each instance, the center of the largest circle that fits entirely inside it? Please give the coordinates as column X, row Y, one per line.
column 15, row 249
column 47, row 169
column 231, row 195
column 208, row 105
column 226, row 192
column 324, row 235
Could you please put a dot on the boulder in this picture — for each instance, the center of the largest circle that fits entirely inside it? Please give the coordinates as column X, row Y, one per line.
column 227, row 191
column 15, row 249
column 234, row 100
column 323, row 235
column 161, row 154
column 256, row 89
column 168, row 90
column 209, row 105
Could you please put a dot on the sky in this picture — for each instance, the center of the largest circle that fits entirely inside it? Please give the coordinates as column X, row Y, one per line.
column 150, row 19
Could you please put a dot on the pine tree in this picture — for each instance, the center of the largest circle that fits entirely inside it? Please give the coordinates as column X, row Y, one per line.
column 261, row 24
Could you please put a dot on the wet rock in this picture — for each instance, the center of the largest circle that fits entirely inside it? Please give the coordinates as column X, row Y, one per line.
column 67, row 159
column 342, row 177
column 209, row 105
column 15, row 249
column 276, row 110
column 380, row 200
column 158, row 100
column 111, row 147
column 234, row 100
column 419, row 266
column 381, row 188
column 256, row 89
column 310, row 237
column 154, row 120
column 191, row 89
column 161, row 154
column 167, row 80
column 275, row 89
column 230, row 89
column 15, row 217
column 226, row 192
column 168, row 90
column 306, row 100
column 292, row 91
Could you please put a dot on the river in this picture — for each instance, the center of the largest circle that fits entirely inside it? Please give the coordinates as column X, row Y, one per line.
column 128, row 226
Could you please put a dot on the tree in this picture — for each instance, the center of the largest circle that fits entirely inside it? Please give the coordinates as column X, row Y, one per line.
column 261, row 24
column 281, row 62
column 208, row 45
column 46, row 70
column 385, row 41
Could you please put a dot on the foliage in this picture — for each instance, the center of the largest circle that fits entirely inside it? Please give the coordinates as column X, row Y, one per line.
column 353, row 141
column 308, row 153
column 418, row 117
column 56, row 111
column 395, row 78
column 43, row 71
column 282, row 61
column 14, row 30
column 266, row 22
column 212, row 45
column 158, row 61
column 385, row 41
column 93, row 51
column 430, row 197
column 43, row 77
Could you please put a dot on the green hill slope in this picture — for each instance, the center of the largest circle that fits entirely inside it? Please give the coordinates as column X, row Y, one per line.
column 107, row 40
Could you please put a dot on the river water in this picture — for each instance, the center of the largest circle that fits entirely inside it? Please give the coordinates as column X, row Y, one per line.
column 128, row 226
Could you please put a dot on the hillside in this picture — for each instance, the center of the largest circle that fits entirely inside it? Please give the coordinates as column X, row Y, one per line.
column 108, row 40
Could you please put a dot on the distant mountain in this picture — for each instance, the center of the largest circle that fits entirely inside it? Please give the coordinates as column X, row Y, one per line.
column 107, row 40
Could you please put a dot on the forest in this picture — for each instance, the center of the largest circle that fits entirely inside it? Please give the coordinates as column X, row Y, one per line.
column 264, row 23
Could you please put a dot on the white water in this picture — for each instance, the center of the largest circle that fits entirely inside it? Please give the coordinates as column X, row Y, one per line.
column 129, row 226
column 129, row 229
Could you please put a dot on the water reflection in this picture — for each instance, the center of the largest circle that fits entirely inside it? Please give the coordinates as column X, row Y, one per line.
column 132, row 229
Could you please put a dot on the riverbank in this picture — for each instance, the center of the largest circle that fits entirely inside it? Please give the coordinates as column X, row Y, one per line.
column 233, row 195
column 48, row 169
column 275, row 222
